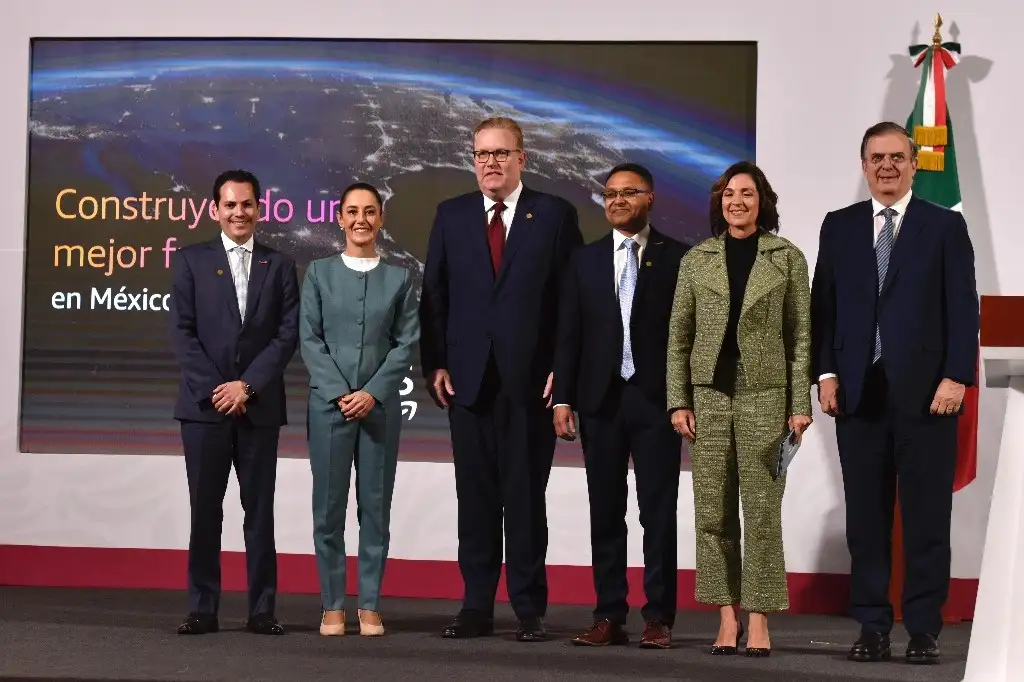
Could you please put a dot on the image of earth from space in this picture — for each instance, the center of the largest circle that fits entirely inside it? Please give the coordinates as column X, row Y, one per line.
column 308, row 128
column 116, row 118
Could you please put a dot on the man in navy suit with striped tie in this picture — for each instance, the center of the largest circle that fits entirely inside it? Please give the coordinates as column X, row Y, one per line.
column 234, row 327
column 894, row 344
column 489, row 312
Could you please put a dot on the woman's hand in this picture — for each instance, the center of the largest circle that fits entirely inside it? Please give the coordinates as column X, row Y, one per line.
column 356, row 405
column 799, row 423
column 684, row 423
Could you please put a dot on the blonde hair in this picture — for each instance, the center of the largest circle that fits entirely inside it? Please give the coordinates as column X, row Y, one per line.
column 502, row 123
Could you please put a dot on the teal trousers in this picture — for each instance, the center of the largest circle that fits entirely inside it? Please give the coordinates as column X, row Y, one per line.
column 336, row 446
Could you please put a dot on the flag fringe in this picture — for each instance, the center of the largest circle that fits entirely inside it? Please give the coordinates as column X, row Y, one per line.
column 931, row 136
column 931, row 161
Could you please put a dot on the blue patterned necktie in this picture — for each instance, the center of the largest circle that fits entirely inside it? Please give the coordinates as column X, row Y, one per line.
column 627, row 286
column 883, row 248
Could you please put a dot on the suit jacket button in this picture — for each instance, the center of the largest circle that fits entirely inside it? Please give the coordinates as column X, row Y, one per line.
column 359, row 322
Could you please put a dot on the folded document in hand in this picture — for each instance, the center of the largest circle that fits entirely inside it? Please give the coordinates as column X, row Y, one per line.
column 787, row 451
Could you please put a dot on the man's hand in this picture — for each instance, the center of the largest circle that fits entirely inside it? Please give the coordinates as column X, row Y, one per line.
column 440, row 388
column 828, row 396
column 685, row 424
column 356, row 405
column 565, row 423
column 948, row 397
column 799, row 423
column 547, row 389
column 229, row 398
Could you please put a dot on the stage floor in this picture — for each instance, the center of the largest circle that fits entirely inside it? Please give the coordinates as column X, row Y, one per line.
column 74, row 634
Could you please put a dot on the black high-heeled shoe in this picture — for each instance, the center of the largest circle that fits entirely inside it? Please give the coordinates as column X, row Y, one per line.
column 717, row 650
column 758, row 652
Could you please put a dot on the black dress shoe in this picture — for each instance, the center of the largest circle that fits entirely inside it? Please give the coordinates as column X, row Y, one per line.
column 727, row 650
column 757, row 652
column 469, row 624
column 870, row 647
column 531, row 630
column 264, row 624
column 923, row 649
column 198, row 624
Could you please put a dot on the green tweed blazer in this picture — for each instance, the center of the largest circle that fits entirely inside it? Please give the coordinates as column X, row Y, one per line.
column 774, row 327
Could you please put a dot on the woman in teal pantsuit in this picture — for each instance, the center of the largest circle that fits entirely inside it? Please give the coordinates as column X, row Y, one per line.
column 357, row 326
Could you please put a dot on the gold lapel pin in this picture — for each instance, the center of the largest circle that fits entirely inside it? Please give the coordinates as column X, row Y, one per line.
column 220, row 272
column 648, row 264
column 529, row 216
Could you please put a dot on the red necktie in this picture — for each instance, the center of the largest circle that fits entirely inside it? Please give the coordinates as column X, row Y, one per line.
column 496, row 236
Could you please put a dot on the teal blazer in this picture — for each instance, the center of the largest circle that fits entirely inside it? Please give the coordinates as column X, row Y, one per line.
column 356, row 331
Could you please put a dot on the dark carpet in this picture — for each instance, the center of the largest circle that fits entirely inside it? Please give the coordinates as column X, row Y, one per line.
column 94, row 635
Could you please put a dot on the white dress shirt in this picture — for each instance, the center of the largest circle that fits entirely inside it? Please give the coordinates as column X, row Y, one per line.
column 360, row 264
column 901, row 209
column 233, row 257
column 510, row 207
column 241, row 283
column 619, row 257
column 640, row 238
column 879, row 220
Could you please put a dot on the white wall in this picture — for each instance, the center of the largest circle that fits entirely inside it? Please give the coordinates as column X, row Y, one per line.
column 822, row 80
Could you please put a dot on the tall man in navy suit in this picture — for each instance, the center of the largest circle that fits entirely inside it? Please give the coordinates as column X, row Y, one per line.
column 489, row 313
column 610, row 365
column 234, row 327
column 895, row 339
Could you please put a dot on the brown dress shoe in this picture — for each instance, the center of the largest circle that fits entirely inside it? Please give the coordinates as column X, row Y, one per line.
column 602, row 633
column 656, row 636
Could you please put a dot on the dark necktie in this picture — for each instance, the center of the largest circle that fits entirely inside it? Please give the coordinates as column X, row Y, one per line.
column 496, row 236
column 883, row 249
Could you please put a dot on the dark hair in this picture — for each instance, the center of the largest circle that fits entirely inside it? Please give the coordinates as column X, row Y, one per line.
column 240, row 176
column 767, row 210
column 362, row 185
column 630, row 167
column 883, row 128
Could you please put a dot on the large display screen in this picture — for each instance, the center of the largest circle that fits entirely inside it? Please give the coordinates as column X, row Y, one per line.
column 127, row 136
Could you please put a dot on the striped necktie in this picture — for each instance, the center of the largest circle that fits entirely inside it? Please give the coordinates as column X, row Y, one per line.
column 883, row 249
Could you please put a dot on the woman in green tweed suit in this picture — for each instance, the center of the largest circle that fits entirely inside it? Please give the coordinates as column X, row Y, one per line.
column 739, row 379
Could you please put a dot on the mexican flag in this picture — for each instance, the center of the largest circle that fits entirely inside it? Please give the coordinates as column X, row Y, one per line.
column 937, row 181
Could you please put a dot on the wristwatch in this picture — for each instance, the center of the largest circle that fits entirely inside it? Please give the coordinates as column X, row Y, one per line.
column 249, row 392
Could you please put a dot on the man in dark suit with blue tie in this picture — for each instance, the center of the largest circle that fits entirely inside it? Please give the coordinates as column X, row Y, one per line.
column 895, row 340
column 610, row 364
column 234, row 327
column 489, row 312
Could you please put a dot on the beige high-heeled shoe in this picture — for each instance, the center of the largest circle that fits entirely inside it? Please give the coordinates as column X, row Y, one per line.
column 332, row 630
column 370, row 629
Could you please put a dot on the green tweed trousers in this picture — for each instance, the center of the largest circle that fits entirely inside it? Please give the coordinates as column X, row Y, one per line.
column 732, row 459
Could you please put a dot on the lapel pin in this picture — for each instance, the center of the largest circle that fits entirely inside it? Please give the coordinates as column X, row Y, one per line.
column 264, row 262
column 220, row 272
column 648, row 263
column 529, row 216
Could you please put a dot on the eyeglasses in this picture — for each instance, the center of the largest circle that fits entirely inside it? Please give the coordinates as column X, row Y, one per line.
column 897, row 159
column 612, row 195
column 500, row 155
